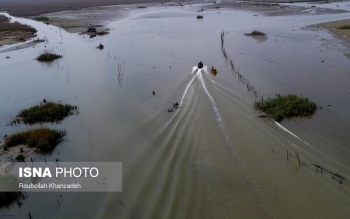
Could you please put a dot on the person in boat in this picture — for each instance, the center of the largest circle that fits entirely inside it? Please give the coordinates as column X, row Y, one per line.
column 200, row 64
column 213, row 70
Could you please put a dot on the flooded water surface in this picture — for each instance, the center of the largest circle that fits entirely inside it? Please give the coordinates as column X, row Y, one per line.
column 213, row 157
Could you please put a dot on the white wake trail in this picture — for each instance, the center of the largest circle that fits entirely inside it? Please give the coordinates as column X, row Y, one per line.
column 219, row 119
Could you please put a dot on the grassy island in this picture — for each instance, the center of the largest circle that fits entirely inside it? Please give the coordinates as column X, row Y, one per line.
column 255, row 33
column 286, row 106
column 44, row 139
column 46, row 112
column 48, row 57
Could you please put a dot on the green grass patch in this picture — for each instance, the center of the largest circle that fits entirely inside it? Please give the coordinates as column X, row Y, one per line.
column 43, row 19
column 344, row 27
column 255, row 33
column 286, row 106
column 8, row 182
column 47, row 112
column 44, row 139
column 48, row 57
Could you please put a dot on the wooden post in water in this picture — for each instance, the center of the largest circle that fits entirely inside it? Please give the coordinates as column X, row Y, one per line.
column 298, row 157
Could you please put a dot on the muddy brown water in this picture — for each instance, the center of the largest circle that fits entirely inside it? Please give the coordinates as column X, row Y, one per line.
column 213, row 157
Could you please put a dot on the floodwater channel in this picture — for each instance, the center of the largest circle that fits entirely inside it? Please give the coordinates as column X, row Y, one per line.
column 213, row 157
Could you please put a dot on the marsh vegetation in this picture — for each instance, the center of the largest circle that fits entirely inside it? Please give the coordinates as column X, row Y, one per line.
column 47, row 56
column 255, row 33
column 47, row 112
column 44, row 139
column 286, row 106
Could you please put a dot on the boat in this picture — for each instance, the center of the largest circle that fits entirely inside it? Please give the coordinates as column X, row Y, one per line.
column 213, row 71
column 200, row 65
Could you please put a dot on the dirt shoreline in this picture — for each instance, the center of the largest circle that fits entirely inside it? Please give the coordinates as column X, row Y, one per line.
column 37, row 7
column 60, row 13
column 80, row 25
column 332, row 27
column 12, row 32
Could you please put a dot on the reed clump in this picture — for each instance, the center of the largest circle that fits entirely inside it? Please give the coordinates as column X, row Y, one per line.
column 44, row 139
column 47, row 112
column 255, row 33
column 286, row 106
